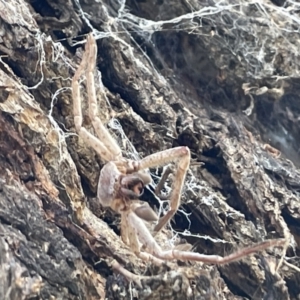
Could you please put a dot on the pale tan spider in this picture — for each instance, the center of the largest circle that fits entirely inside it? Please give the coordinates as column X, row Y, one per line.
column 122, row 180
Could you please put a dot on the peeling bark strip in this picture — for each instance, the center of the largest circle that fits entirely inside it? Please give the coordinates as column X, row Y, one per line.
column 214, row 78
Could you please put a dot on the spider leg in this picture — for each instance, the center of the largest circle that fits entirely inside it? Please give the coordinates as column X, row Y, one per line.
column 128, row 275
column 140, row 233
column 179, row 155
column 216, row 259
column 134, row 237
column 169, row 170
column 124, row 231
column 100, row 129
column 82, row 132
column 105, row 146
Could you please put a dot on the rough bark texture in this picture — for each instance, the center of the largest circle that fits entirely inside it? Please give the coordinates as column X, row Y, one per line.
column 191, row 81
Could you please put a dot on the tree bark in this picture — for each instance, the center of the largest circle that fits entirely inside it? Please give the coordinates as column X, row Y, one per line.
column 191, row 76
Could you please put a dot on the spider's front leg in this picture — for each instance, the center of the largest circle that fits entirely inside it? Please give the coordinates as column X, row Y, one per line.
column 181, row 157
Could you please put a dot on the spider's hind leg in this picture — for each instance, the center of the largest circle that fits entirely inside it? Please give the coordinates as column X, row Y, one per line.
column 100, row 129
column 104, row 145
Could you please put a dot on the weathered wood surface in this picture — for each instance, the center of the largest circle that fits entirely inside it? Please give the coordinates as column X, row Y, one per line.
column 188, row 90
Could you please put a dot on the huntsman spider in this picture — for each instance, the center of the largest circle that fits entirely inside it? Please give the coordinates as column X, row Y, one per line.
column 121, row 180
